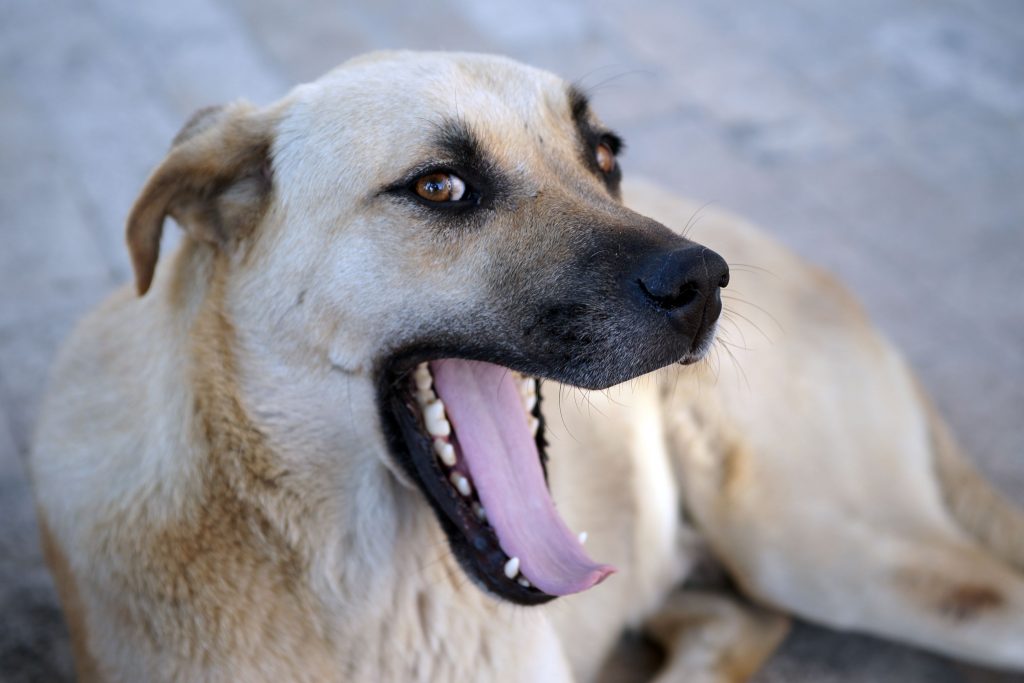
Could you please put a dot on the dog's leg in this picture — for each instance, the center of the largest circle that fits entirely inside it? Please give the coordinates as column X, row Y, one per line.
column 898, row 537
column 962, row 595
column 946, row 595
column 711, row 637
column 977, row 507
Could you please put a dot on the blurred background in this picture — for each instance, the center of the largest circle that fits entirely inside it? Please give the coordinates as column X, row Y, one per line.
column 882, row 139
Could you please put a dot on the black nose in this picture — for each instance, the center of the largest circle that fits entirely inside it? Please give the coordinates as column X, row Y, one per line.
column 685, row 283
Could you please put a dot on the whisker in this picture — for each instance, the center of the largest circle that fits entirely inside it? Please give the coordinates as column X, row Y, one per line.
column 754, row 325
column 737, row 299
column 739, row 366
column 751, row 267
column 733, row 345
column 694, row 217
column 716, row 367
column 590, row 89
column 561, row 415
column 723, row 333
column 590, row 404
column 611, row 399
column 727, row 318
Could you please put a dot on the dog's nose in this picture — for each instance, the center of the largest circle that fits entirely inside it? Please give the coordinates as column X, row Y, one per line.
column 685, row 283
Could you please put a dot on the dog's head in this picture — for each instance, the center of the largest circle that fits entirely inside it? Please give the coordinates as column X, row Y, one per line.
column 448, row 227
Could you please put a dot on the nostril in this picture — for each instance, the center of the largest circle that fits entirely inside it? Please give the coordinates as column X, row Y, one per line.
column 681, row 298
column 682, row 281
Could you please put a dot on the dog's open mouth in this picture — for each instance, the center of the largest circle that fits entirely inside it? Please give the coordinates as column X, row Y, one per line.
column 471, row 433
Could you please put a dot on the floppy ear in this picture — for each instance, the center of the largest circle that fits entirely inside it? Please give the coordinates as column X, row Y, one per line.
column 215, row 182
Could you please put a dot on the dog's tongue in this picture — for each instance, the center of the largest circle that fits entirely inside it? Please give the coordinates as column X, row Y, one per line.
column 483, row 404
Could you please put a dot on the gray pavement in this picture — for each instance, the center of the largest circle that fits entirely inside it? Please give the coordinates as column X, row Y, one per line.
column 883, row 139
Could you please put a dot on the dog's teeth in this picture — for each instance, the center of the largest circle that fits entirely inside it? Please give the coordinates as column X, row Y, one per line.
column 534, row 425
column 582, row 537
column 437, row 422
column 422, row 377
column 479, row 511
column 524, row 582
column 462, row 484
column 528, row 386
column 425, row 396
column 529, row 402
column 512, row 568
column 445, row 451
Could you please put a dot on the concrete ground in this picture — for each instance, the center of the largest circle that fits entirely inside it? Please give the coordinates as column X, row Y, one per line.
column 884, row 139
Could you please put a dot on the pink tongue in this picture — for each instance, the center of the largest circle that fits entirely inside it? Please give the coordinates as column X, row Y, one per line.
column 482, row 402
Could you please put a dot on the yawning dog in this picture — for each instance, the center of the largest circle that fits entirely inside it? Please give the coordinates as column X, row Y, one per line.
column 349, row 430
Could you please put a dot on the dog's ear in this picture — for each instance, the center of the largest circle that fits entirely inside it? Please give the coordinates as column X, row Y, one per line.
column 215, row 183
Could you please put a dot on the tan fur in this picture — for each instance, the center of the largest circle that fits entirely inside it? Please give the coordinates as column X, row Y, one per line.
column 716, row 639
column 73, row 609
column 219, row 504
column 962, row 601
column 221, row 150
column 976, row 504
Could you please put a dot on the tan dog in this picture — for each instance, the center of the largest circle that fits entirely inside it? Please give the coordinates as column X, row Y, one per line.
column 312, row 449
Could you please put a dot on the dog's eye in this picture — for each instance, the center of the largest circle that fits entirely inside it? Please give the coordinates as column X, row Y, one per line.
column 605, row 158
column 440, row 187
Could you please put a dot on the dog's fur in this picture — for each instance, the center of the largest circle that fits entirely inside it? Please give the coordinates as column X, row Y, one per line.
column 218, row 503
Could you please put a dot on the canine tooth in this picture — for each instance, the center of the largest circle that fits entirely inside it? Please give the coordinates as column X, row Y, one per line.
column 512, row 568
column 425, row 396
column 534, row 425
column 445, row 451
column 422, row 377
column 582, row 537
column 528, row 386
column 462, row 484
column 479, row 511
column 529, row 402
column 524, row 582
column 437, row 422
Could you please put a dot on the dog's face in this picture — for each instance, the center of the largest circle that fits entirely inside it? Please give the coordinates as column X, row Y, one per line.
column 451, row 227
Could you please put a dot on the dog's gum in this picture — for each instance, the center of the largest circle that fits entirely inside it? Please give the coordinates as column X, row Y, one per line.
column 480, row 512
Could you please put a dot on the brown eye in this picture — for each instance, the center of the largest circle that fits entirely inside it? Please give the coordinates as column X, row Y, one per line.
column 605, row 158
column 441, row 187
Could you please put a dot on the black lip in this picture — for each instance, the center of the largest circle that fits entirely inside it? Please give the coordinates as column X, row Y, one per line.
column 473, row 543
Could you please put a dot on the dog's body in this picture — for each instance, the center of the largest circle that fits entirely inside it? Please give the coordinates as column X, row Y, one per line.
column 220, row 501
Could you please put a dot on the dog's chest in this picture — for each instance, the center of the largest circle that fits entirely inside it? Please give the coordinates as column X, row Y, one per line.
column 439, row 631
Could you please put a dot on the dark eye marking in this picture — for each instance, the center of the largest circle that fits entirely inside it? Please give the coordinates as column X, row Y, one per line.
column 599, row 147
column 458, row 177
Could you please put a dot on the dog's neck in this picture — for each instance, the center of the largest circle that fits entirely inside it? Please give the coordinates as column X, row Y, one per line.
column 296, row 475
column 293, row 435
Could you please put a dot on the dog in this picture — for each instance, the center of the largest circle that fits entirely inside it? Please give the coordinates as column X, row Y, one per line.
column 324, row 440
